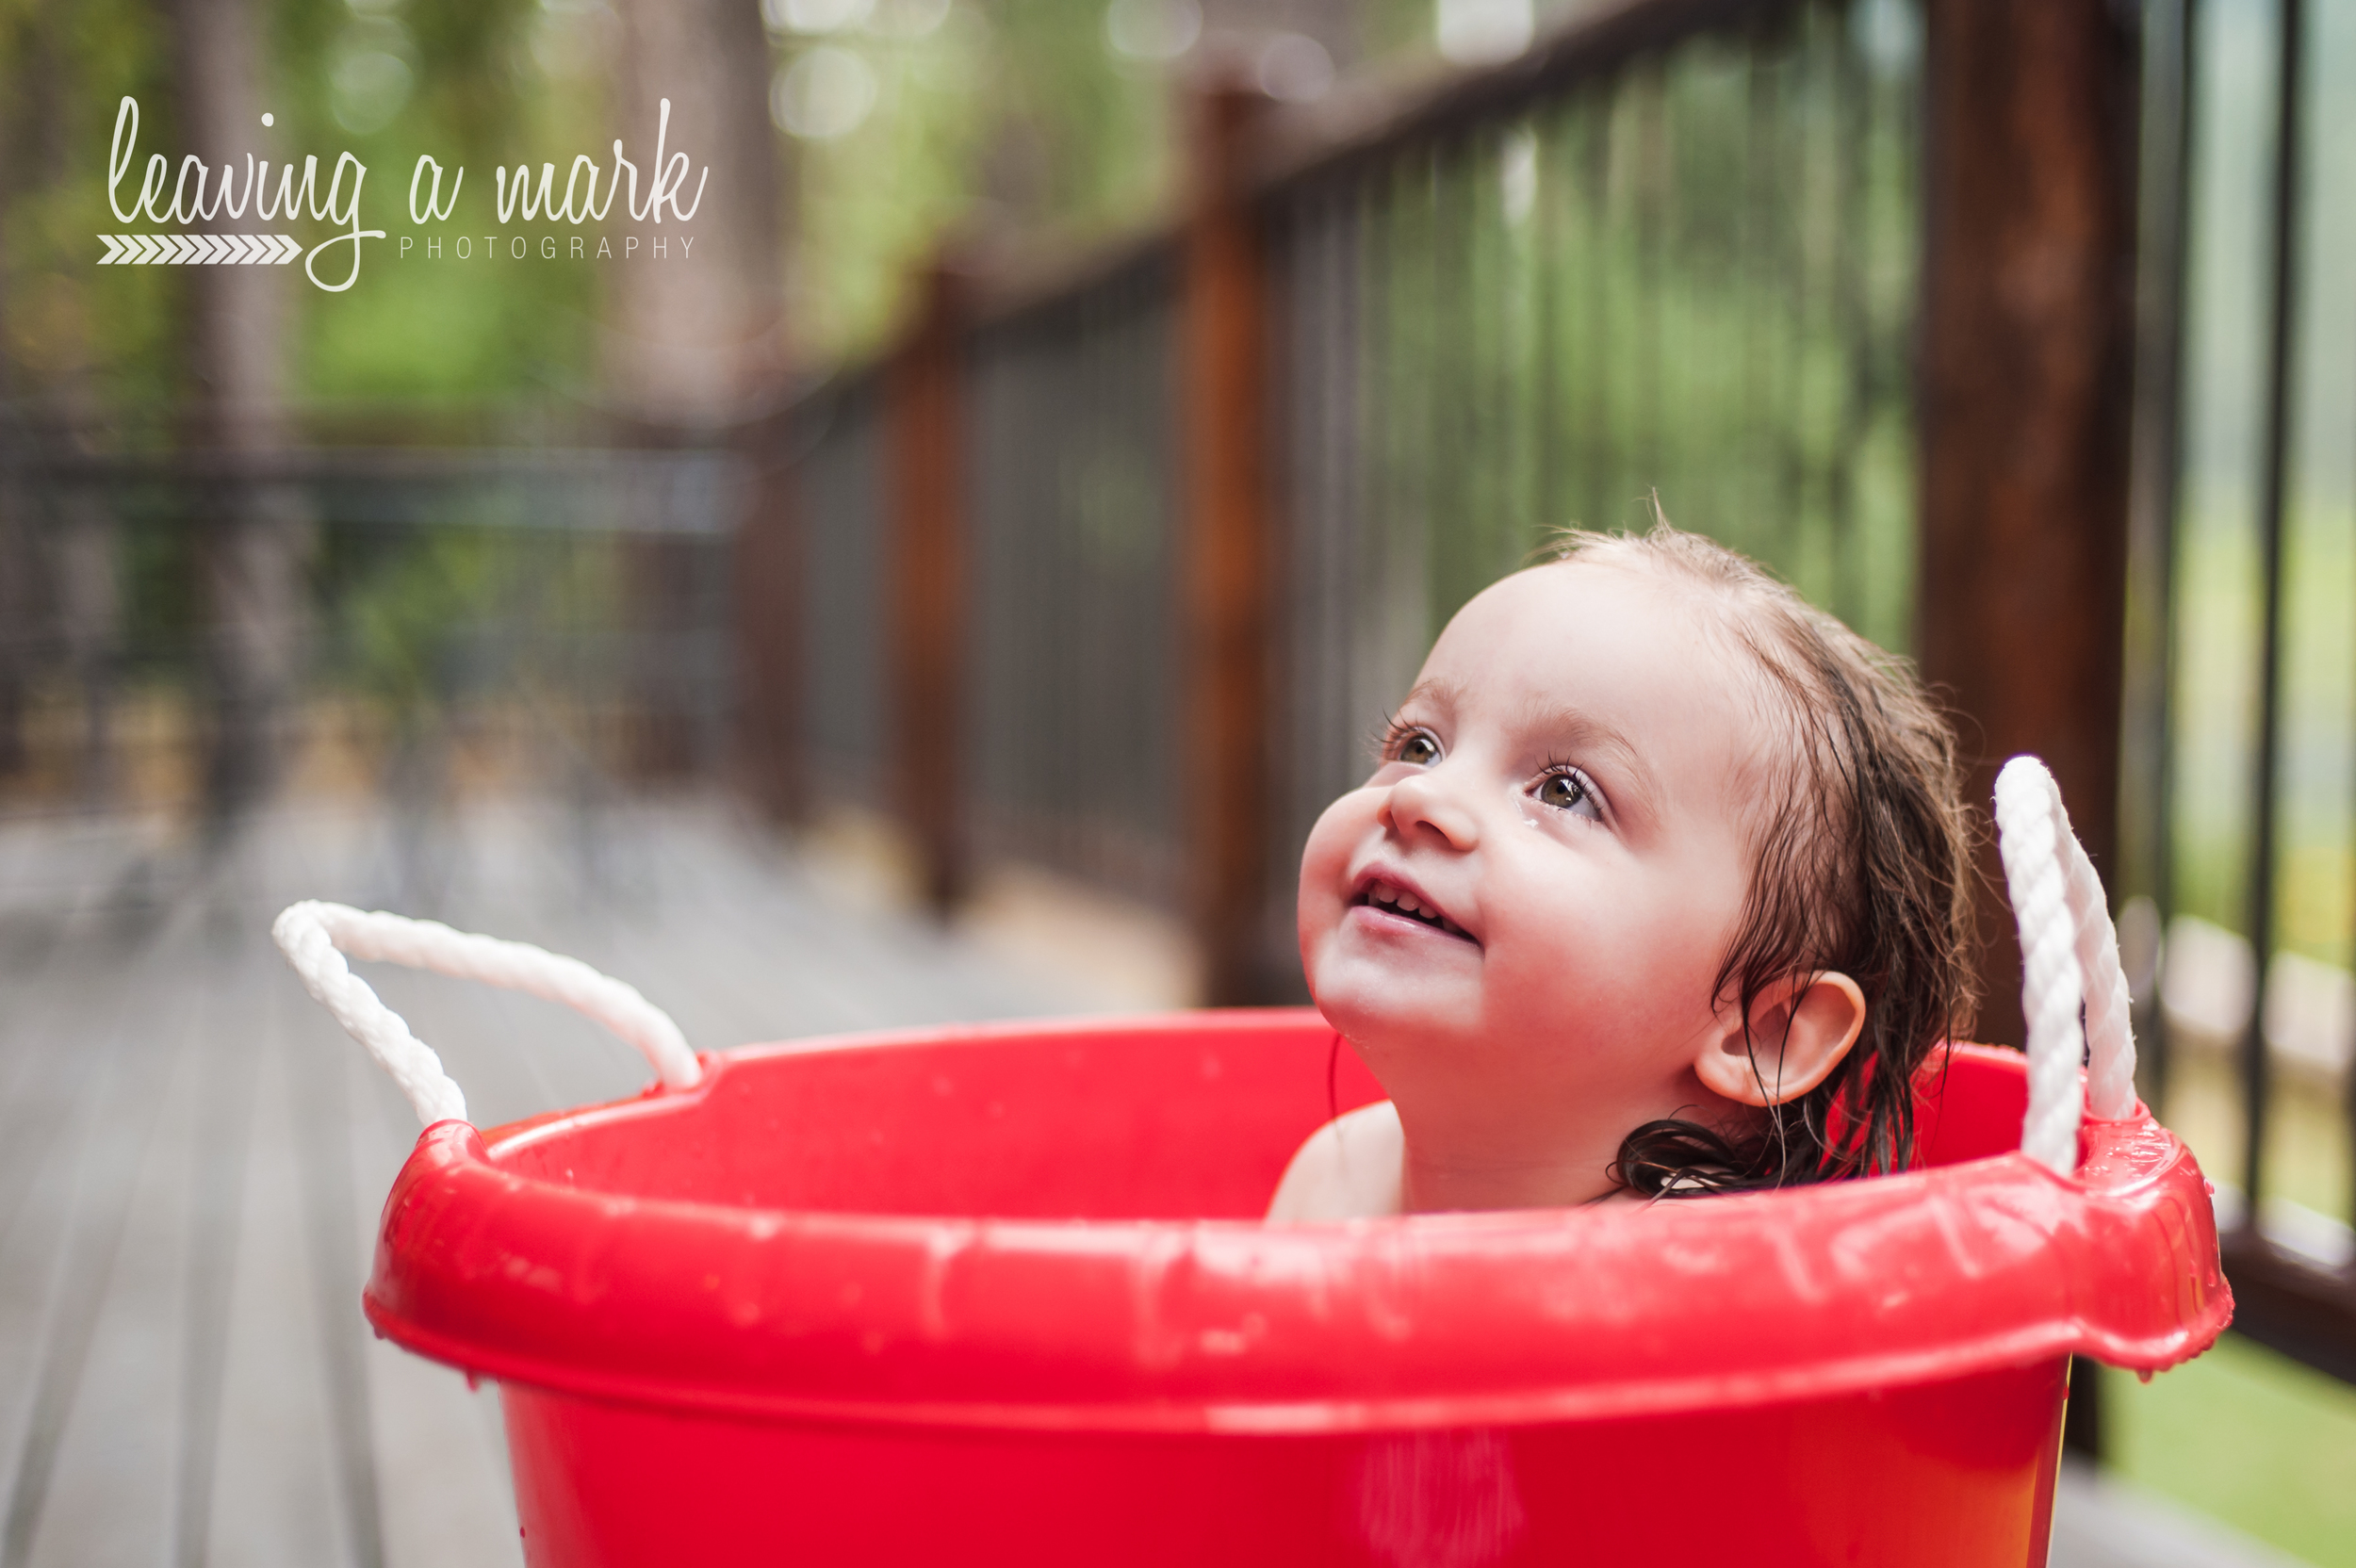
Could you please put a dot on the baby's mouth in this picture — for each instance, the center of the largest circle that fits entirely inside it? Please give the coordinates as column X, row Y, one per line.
column 1391, row 899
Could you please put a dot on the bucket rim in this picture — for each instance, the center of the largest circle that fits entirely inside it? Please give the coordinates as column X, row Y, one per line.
column 1921, row 1276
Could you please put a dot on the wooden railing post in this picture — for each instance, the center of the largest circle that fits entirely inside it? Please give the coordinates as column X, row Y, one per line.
column 1226, row 554
column 2026, row 389
column 2026, row 393
column 924, row 442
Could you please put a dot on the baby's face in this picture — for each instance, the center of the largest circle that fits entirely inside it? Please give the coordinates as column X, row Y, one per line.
column 1518, row 920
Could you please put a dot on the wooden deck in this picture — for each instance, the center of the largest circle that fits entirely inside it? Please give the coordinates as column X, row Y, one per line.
column 193, row 1154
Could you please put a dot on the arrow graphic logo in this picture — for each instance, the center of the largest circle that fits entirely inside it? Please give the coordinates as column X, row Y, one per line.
column 181, row 250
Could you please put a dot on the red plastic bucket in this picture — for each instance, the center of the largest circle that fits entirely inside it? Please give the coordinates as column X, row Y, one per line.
column 1000, row 1295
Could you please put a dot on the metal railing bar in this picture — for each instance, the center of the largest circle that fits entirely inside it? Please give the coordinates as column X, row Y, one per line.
column 2255, row 1068
column 668, row 493
column 2153, row 520
column 1305, row 148
column 1456, row 422
column 1647, row 84
column 1548, row 220
column 381, row 465
column 1853, row 115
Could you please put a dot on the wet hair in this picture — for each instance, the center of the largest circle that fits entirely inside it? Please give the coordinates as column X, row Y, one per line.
column 1861, row 863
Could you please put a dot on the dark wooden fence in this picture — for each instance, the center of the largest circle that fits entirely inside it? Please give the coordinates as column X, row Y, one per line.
column 1223, row 486
column 1182, row 523
column 549, row 614
column 1887, row 294
column 2239, row 798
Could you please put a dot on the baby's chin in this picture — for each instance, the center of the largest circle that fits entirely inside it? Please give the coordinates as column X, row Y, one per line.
column 1377, row 1009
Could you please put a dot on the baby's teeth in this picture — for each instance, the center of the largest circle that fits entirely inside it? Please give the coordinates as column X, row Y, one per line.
column 1407, row 903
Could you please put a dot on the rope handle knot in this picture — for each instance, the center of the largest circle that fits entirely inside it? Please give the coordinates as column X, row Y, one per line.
column 2073, row 991
column 315, row 936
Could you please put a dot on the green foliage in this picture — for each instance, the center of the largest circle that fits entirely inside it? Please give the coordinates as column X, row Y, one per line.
column 875, row 202
column 1010, row 120
column 473, row 84
column 115, row 337
column 1694, row 281
column 2218, row 618
column 1102, row 127
column 431, row 619
column 421, row 328
column 402, row 611
column 1387, row 28
column 73, row 331
column 2249, row 1437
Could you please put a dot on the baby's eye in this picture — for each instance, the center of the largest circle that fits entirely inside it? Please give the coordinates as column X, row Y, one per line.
column 1568, row 791
column 1417, row 748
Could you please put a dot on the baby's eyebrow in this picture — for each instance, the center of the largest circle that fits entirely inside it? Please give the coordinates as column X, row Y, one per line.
column 1442, row 695
column 1587, row 733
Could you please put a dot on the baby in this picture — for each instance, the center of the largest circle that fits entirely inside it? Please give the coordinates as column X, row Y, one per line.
column 1661, row 886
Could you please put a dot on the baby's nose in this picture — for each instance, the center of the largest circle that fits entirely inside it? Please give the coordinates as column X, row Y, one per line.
column 1427, row 803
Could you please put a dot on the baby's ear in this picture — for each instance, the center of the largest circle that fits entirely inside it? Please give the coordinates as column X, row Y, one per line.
column 1798, row 1031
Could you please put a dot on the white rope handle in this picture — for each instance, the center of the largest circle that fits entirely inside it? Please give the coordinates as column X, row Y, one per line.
column 2068, row 959
column 310, row 934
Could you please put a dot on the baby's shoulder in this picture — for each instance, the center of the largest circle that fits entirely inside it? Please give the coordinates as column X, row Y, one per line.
column 1347, row 1170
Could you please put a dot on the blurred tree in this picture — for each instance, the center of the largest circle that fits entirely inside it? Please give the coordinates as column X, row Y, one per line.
column 698, row 336
column 1005, row 123
column 253, row 530
column 58, row 598
column 476, row 83
column 1015, row 121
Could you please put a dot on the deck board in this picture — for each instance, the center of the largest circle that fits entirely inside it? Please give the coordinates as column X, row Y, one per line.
column 123, row 1422
column 114, row 1043
column 275, row 1498
column 192, row 1155
column 232, row 1051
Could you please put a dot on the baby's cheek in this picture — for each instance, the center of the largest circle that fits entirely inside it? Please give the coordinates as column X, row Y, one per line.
column 1651, row 969
column 1325, row 859
column 1553, row 981
column 1572, row 962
